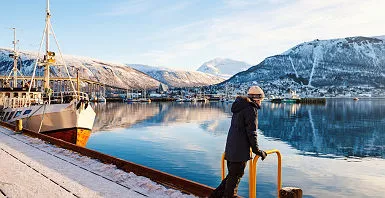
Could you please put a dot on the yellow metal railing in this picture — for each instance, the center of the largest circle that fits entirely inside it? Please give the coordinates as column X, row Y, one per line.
column 253, row 171
column 223, row 166
column 253, row 175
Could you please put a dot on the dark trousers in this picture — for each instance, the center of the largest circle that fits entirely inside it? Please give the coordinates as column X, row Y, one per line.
column 229, row 186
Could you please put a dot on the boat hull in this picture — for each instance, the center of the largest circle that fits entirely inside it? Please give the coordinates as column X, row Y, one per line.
column 76, row 136
column 71, row 122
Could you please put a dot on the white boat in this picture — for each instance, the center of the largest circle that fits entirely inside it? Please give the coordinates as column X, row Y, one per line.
column 144, row 100
column 200, row 99
column 94, row 98
column 180, row 100
column 129, row 98
column 291, row 97
column 101, row 99
column 63, row 115
column 188, row 100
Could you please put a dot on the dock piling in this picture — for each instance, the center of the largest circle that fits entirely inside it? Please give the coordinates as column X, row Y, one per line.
column 19, row 126
column 290, row 192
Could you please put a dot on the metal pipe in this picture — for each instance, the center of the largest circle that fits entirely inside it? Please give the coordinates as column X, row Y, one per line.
column 223, row 171
column 254, row 175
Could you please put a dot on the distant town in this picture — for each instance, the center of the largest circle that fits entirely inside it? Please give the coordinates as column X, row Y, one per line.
column 272, row 90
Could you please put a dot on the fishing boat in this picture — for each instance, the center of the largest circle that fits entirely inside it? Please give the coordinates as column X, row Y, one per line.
column 144, row 97
column 180, row 100
column 129, row 98
column 291, row 97
column 12, row 91
column 200, row 99
column 188, row 100
column 144, row 100
column 94, row 98
column 102, row 95
column 63, row 115
column 101, row 99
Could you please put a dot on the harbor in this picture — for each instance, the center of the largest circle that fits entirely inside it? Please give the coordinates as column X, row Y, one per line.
column 165, row 99
column 318, row 143
column 78, row 162
column 187, row 140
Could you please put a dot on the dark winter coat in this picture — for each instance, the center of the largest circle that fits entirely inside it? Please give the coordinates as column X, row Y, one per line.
column 243, row 130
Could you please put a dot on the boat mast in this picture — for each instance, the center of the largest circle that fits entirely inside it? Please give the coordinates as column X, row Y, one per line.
column 78, row 82
column 15, row 58
column 49, row 55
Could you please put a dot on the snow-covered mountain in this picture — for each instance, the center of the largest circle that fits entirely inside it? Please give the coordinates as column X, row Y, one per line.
column 224, row 68
column 380, row 37
column 112, row 74
column 344, row 63
column 178, row 78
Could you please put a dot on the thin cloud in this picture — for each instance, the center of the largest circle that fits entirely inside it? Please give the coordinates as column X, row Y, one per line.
column 252, row 36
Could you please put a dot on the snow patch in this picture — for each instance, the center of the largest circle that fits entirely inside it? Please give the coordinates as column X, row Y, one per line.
column 224, row 68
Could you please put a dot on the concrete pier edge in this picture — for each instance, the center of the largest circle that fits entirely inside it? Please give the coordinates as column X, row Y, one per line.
column 166, row 179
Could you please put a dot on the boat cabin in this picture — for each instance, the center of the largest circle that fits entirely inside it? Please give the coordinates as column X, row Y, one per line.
column 15, row 97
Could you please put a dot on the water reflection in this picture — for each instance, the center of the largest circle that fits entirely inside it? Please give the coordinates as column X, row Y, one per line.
column 110, row 116
column 119, row 115
column 339, row 128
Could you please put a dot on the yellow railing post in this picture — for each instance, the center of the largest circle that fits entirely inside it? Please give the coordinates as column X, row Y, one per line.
column 223, row 171
column 253, row 176
column 251, row 172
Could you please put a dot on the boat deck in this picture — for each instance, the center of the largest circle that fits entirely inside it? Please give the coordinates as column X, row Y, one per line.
column 30, row 167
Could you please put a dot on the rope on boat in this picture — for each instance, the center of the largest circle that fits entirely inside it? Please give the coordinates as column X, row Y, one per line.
column 42, row 119
column 3, row 193
column 28, row 118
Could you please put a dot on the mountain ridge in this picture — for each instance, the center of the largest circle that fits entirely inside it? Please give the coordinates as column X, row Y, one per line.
column 223, row 67
column 328, row 64
column 178, row 78
column 112, row 74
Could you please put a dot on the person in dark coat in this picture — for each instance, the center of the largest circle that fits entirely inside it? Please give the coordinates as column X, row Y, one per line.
column 241, row 137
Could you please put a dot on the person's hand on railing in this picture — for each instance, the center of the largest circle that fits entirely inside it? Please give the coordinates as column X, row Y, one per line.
column 262, row 154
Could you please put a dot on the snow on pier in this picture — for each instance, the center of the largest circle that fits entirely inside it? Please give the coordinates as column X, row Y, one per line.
column 30, row 167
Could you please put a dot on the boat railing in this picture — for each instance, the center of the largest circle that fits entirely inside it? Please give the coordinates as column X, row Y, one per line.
column 20, row 102
column 56, row 97
column 67, row 96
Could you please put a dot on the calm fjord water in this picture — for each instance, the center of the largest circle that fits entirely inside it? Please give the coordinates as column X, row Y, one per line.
column 332, row 150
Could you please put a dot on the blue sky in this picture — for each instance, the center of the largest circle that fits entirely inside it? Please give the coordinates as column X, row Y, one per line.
column 183, row 34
